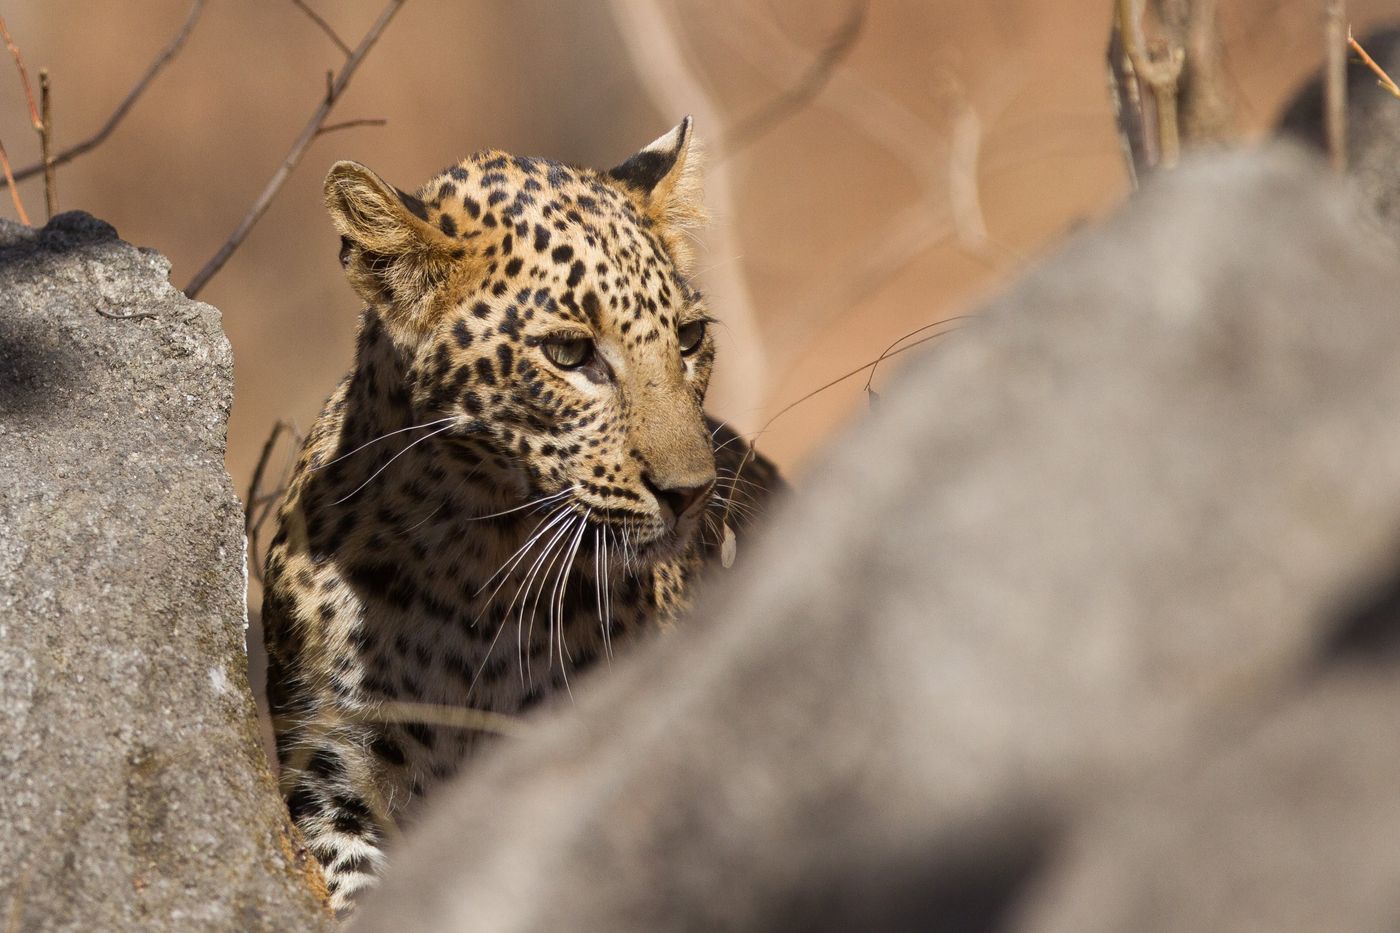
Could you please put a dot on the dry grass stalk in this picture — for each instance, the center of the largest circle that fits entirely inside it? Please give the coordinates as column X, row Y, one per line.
column 1383, row 79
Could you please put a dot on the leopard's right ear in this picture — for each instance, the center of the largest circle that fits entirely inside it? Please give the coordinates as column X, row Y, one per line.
column 392, row 256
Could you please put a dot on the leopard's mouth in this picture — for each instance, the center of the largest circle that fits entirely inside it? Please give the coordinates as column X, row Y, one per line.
column 643, row 538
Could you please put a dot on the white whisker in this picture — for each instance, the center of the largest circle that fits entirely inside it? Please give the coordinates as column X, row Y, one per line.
column 541, row 528
column 501, row 628
column 381, row 437
column 391, row 460
column 535, row 606
column 562, row 586
column 533, row 502
column 520, row 648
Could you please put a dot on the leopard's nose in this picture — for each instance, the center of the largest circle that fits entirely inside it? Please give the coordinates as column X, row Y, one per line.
column 680, row 499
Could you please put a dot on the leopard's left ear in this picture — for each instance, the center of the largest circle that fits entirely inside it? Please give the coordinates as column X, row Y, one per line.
column 392, row 256
column 665, row 179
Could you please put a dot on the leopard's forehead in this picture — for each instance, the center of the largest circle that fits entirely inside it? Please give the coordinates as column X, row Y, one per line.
column 544, row 226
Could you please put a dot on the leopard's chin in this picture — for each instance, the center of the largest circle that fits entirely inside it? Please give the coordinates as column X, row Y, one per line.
column 667, row 543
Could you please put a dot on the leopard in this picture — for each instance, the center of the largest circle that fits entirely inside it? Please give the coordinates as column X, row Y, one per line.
column 515, row 481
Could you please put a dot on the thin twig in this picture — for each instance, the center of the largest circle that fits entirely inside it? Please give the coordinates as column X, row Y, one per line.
column 38, row 119
column 1385, row 79
column 299, row 147
column 249, row 529
column 23, row 74
column 14, row 189
column 816, row 77
column 1335, row 85
column 125, row 106
column 753, row 438
column 855, row 372
column 349, row 124
column 325, row 26
column 46, row 144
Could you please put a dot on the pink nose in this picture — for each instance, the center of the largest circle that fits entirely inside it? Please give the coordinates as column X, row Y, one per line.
column 681, row 500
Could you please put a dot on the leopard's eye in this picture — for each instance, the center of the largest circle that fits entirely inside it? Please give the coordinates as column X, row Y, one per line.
column 569, row 354
column 691, row 336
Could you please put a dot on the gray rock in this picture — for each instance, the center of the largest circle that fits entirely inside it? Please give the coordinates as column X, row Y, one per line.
column 1288, row 828
column 133, row 792
column 1121, row 513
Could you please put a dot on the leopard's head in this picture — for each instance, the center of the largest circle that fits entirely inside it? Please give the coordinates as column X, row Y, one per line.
column 546, row 309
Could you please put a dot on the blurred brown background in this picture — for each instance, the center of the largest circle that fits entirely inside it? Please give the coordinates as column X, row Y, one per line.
column 952, row 143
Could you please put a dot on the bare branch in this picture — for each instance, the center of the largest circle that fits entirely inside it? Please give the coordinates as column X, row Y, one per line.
column 46, row 144
column 350, row 124
column 299, row 147
column 325, row 26
column 816, row 77
column 14, row 189
column 125, row 106
column 23, row 74
column 1335, row 85
column 1134, row 68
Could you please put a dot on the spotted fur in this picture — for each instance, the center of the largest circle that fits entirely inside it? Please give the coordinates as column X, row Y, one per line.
column 473, row 523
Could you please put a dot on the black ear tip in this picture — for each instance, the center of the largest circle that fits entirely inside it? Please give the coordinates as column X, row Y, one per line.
column 415, row 205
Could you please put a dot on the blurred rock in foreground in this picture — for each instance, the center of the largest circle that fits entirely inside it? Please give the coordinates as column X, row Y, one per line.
column 133, row 792
column 1077, row 625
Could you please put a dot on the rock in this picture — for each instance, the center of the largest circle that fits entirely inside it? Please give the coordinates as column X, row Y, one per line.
column 1103, row 528
column 1288, row 828
column 133, row 792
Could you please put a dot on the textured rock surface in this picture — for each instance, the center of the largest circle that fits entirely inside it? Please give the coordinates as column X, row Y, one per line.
column 133, row 792
column 1106, row 529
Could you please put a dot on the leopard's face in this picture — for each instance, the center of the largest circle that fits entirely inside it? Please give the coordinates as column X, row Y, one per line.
column 556, row 330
